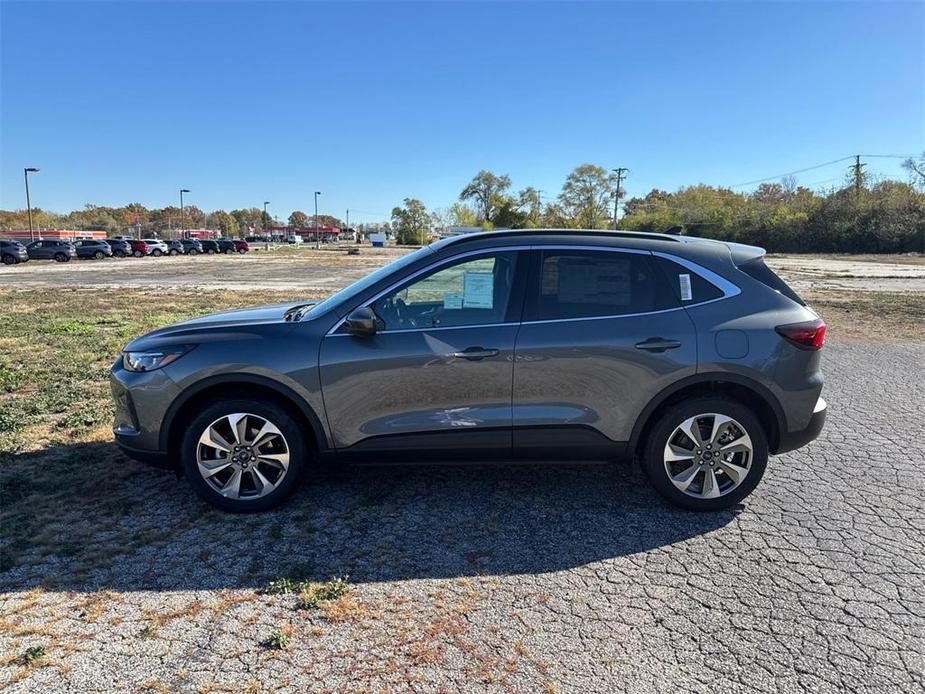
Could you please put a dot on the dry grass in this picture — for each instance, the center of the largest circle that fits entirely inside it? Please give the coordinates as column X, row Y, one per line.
column 859, row 315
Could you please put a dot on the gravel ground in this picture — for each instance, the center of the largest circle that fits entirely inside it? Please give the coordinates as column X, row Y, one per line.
column 555, row 579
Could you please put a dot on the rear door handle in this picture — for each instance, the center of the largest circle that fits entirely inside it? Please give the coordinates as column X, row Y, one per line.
column 657, row 344
column 475, row 353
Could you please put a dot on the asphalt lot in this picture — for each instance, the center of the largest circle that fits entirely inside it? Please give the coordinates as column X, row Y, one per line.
column 559, row 578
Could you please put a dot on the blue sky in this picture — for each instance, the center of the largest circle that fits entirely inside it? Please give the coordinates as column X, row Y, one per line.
column 369, row 103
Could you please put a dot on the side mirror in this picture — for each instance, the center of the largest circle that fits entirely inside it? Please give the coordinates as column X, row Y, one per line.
column 362, row 322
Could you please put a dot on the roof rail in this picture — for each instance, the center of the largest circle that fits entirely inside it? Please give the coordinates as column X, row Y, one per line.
column 565, row 232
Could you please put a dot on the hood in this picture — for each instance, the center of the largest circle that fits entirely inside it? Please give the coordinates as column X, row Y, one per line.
column 238, row 324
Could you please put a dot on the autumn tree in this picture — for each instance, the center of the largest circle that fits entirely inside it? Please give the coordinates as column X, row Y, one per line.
column 587, row 195
column 298, row 219
column 412, row 222
column 486, row 191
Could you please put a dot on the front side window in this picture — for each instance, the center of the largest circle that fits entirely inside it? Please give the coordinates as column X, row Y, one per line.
column 474, row 291
column 589, row 284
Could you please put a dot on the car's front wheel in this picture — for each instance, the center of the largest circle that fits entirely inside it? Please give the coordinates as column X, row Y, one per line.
column 137, row 254
column 61, row 257
column 157, row 253
column 244, row 455
column 706, row 454
column 99, row 255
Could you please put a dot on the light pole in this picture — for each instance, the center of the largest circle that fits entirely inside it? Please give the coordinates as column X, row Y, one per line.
column 25, row 172
column 347, row 223
column 317, row 240
column 266, row 235
column 182, row 216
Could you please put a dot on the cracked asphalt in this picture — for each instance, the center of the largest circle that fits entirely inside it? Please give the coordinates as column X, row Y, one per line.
column 512, row 579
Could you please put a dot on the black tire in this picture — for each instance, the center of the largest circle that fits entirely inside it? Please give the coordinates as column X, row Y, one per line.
column 267, row 409
column 157, row 253
column 61, row 257
column 192, row 251
column 9, row 259
column 229, row 251
column 99, row 255
column 211, row 251
column 119, row 254
column 137, row 254
column 173, row 251
column 242, row 251
column 653, row 451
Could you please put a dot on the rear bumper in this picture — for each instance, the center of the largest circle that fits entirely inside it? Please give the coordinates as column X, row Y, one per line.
column 791, row 440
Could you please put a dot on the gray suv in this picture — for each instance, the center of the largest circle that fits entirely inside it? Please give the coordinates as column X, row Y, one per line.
column 689, row 354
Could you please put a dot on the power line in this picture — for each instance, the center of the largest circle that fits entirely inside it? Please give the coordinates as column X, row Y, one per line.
column 817, row 166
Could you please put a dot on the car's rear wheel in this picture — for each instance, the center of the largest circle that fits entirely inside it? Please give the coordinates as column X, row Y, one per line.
column 244, row 455
column 61, row 257
column 9, row 260
column 706, row 454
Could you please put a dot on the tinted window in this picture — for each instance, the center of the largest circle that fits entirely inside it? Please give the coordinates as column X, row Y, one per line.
column 688, row 287
column 584, row 284
column 756, row 269
column 474, row 291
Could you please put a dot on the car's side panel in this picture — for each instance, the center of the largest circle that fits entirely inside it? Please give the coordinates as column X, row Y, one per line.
column 589, row 372
column 412, row 382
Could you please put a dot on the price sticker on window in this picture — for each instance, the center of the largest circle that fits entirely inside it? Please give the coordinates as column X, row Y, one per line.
column 686, row 293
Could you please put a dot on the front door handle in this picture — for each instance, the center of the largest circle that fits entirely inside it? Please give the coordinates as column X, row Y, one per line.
column 657, row 344
column 475, row 353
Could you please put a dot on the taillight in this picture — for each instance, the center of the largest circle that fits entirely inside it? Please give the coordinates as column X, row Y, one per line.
column 807, row 335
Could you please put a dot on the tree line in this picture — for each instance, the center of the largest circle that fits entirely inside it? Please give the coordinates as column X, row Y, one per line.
column 860, row 216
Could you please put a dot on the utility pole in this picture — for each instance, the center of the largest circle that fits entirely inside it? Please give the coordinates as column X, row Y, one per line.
column 182, row 215
column 317, row 239
column 347, row 223
column 858, row 175
column 25, row 172
column 620, row 171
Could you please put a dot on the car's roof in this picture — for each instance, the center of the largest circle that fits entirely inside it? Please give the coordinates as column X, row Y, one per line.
column 632, row 239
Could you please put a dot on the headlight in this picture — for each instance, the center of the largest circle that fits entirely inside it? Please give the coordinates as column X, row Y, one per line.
column 153, row 359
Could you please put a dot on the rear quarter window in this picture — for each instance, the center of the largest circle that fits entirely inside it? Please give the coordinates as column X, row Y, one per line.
column 757, row 270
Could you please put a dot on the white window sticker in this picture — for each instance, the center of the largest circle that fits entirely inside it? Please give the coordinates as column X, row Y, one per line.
column 478, row 290
column 686, row 293
column 452, row 300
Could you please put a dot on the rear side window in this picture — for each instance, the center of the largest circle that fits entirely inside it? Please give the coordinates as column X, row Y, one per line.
column 687, row 286
column 586, row 284
column 757, row 270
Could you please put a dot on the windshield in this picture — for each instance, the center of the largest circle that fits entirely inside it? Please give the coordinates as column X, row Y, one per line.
column 364, row 283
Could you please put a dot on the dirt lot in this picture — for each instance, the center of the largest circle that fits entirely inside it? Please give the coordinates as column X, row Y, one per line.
column 560, row 578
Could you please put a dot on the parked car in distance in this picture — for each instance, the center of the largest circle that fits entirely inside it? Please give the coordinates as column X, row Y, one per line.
column 688, row 354
column 191, row 246
column 174, row 247
column 51, row 249
column 157, row 247
column 295, row 239
column 241, row 246
column 139, row 248
column 209, row 245
column 226, row 246
column 12, row 252
column 257, row 239
column 120, row 247
column 93, row 248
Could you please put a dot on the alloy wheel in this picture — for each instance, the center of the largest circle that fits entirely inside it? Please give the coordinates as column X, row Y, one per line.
column 242, row 456
column 708, row 455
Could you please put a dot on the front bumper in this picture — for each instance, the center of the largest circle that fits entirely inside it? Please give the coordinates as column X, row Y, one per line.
column 791, row 440
column 141, row 402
